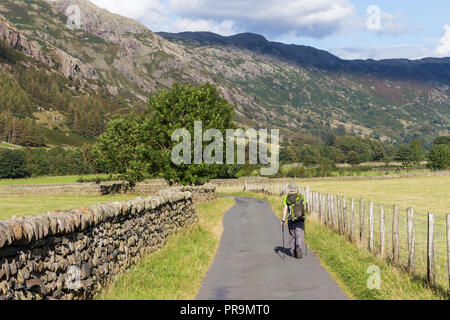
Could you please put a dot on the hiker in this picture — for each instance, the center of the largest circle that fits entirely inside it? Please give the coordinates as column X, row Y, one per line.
column 295, row 210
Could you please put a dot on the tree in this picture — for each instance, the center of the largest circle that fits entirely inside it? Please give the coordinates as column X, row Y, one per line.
column 439, row 157
column 353, row 158
column 179, row 108
column 13, row 164
column 404, row 155
column 136, row 146
column 310, row 156
column 38, row 162
column 417, row 153
column 124, row 148
column 442, row 140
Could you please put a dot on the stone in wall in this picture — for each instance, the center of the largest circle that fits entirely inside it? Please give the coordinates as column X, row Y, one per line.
column 202, row 193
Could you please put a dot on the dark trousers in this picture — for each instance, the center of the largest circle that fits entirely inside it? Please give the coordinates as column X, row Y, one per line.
column 296, row 233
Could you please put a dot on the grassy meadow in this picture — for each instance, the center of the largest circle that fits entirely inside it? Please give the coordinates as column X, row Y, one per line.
column 177, row 270
column 424, row 194
column 49, row 179
column 32, row 205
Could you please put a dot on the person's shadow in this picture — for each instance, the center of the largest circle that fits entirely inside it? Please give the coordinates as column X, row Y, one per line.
column 282, row 252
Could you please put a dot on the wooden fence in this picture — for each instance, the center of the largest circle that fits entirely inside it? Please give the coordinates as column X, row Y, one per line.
column 416, row 242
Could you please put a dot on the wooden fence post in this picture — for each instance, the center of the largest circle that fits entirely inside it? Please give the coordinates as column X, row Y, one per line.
column 338, row 214
column 333, row 212
column 341, row 215
column 448, row 247
column 382, row 232
column 329, row 209
column 316, row 210
column 320, row 206
column 352, row 218
column 431, row 267
column 395, row 243
column 344, row 208
column 362, row 222
column 316, row 202
column 411, row 242
column 323, row 207
column 371, row 227
column 330, row 214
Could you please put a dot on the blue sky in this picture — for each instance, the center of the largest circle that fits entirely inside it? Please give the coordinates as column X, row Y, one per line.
column 407, row 29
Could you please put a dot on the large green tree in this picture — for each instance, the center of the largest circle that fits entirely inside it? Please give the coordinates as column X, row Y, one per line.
column 179, row 108
column 417, row 153
column 404, row 155
column 138, row 145
column 124, row 148
column 439, row 157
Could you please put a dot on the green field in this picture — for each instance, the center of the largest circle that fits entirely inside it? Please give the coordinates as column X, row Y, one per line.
column 33, row 205
column 177, row 270
column 423, row 194
column 47, row 179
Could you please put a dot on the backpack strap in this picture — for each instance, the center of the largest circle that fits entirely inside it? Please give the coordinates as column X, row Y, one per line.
column 299, row 196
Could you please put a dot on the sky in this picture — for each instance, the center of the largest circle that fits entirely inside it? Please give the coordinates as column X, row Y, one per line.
column 350, row 29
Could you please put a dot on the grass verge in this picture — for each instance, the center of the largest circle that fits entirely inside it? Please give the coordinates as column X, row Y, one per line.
column 176, row 271
column 348, row 264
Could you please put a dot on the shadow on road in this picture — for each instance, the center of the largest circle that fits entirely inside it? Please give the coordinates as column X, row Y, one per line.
column 282, row 252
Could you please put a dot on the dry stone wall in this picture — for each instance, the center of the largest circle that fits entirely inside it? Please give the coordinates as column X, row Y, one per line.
column 203, row 193
column 74, row 254
column 262, row 180
column 87, row 188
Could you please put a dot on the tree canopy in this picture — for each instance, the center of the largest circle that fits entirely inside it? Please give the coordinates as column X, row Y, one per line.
column 140, row 145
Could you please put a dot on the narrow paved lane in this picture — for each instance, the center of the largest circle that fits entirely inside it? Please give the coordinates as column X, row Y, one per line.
column 248, row 264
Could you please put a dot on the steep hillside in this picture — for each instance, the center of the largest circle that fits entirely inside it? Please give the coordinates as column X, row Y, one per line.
column 306, row 88
column 437, row 70
column 115, row 63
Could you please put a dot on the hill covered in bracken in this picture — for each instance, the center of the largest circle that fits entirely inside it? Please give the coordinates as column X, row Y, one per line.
column 69, row 82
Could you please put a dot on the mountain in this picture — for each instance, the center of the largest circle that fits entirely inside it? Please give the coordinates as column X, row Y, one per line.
column 424, row 70
column 112, row 64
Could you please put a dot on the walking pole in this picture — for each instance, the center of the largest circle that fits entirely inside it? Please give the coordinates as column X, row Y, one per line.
column 304, row 238
column 282, row 234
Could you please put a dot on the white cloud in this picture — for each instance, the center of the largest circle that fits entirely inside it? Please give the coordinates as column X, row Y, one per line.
column 272, row 18
column 225, row 27
column 443, row 49
column 391, row 25
column 317, row 18
column 157, row 16
column 135, row 9
column 387, row 52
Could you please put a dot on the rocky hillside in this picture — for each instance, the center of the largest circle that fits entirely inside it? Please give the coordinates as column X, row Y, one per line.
column 299, row 89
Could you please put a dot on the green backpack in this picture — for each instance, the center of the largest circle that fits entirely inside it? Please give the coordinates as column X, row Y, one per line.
column 297, row 207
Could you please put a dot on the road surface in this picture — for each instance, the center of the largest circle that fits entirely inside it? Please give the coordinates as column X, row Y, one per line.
column 249, row 263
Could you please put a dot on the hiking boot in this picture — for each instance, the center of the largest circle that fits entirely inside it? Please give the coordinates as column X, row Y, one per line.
column 298, row 253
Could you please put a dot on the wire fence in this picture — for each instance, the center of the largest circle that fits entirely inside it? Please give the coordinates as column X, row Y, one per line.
column 413, row 241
